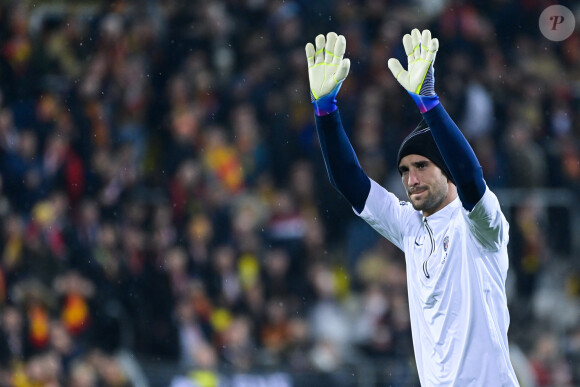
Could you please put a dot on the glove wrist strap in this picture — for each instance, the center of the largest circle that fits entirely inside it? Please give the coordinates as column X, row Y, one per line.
column 425, row 103
column 327, row 104
column 324, row 106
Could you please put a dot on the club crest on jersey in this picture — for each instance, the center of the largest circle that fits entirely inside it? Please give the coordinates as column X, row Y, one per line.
column 445, row 247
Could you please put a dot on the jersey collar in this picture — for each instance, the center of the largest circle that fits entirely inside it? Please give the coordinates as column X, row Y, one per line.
column 446, row 212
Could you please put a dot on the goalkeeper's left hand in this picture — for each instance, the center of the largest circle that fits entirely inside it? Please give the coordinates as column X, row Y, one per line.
column 419, row 78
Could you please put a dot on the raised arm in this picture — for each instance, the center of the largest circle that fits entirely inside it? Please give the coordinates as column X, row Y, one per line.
column 326, row 71
column 419, row 81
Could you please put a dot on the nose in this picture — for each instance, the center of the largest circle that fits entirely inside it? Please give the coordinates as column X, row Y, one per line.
column 412, row 178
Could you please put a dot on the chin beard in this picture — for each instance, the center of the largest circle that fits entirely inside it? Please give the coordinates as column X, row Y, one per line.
column 430, row 203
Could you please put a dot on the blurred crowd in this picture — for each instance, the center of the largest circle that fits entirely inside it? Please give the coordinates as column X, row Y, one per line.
column 162, row 190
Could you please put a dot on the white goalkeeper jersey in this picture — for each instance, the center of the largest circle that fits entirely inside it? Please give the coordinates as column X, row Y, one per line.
column 456, row 270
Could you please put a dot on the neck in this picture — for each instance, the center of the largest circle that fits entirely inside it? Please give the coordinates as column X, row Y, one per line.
column 451, row 195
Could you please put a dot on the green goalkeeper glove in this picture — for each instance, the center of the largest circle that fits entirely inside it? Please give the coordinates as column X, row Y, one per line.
column 326, row 71
column 419, row 79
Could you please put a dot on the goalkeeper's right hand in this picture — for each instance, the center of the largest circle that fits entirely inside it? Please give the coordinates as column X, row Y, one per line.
column 326, row 71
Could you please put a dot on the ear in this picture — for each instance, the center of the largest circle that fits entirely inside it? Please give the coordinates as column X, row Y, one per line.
column 451, row 185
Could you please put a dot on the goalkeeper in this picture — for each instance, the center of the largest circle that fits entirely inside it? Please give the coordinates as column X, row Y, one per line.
column 451, row 230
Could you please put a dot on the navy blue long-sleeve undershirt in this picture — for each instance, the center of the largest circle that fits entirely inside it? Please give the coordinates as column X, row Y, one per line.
column 347, row 176
column 458, row 155
column 342, row 165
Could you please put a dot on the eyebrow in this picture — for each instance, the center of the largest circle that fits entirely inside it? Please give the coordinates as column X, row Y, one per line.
column 404, row 168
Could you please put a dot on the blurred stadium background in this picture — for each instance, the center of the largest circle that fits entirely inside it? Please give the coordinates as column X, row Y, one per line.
column 165, row 214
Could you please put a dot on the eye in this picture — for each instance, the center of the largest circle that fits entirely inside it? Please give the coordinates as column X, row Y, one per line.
column 421, row 165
